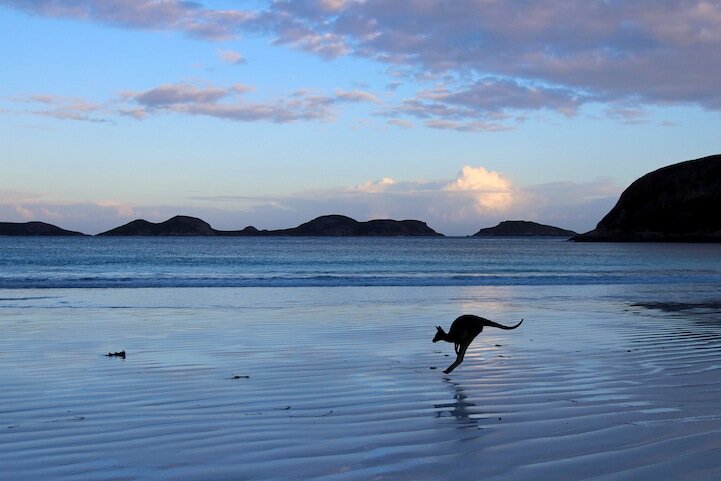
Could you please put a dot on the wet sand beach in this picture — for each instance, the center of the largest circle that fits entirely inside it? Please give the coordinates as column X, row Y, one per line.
column 344, row 383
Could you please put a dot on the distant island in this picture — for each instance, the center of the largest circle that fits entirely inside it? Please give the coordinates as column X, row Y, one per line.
column 324, row 226
column 180, row 225
column 522, row 228
column 677, row 203
column 34, row 229
column 340, row 225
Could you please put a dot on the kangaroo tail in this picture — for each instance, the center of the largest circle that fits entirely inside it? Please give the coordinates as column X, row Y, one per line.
column 486, row 322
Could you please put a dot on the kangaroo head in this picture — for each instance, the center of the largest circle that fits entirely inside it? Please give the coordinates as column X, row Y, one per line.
column 440, row 334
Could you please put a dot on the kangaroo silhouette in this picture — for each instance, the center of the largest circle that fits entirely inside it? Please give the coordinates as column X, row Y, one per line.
column 462, row 333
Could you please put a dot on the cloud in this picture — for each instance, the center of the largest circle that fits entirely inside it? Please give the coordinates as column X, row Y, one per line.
column 165, row 15
column 495, row 57
column 657, row 51
column 229, row 103
column 381, row 185
column 490, row 190
column 232, row 57
column 19, row 197
column 489, row 105
column 356, row 96
column 327, row 45
column 402, row 123
column 492, row 96
column 26, row 214
column 122, row 209
column 173, row 94
column 443, row 124
column 628, row 114
column 64, row 108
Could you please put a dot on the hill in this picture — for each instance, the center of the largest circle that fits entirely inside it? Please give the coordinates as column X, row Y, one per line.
column 677, row 203
column 180, row 225
column 34, row 229
column 521, row 228
column 340, row 225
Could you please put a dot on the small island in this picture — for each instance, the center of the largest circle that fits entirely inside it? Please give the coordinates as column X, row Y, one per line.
column 522, row 228
column 324, row 226
column 180, row 225
column 677, row 203
column 340, row 225
column 19, row 229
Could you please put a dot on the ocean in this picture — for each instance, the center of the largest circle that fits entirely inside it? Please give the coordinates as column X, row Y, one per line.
column 311, row 358
column 39, row 263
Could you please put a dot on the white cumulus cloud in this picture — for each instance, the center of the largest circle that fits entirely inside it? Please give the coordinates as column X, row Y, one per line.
column 491, row 191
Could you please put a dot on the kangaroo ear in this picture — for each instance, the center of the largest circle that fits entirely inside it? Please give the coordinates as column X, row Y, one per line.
column 439, row 328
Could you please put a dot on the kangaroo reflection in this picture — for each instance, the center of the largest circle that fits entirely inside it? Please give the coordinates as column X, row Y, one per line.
column 460, row 408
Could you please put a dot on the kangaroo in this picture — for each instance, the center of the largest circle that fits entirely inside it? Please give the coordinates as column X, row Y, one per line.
column 463, row 331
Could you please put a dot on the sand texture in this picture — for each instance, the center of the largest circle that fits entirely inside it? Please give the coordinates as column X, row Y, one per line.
column 345, row 384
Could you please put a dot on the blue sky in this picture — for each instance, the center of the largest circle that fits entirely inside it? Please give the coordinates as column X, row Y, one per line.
column 458, row 113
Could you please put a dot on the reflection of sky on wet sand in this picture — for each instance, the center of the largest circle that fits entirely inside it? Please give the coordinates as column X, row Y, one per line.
column 336, row 384
column 485, row 301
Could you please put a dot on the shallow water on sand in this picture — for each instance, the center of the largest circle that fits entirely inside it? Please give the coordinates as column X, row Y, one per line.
column 600, row 382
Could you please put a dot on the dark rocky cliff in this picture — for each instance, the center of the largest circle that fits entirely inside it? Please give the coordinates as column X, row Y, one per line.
column 521, row 228
column 34, row 229
column 678, row 203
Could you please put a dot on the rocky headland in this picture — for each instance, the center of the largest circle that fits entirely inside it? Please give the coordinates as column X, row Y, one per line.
column 677, row 203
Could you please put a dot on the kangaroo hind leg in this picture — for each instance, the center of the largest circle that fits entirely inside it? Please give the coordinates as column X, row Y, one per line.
column 459, row 358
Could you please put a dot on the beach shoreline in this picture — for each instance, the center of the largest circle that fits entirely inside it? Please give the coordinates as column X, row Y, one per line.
column 344, row 383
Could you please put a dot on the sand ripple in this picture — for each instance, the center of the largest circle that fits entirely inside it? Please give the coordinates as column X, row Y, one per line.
column 611, row 392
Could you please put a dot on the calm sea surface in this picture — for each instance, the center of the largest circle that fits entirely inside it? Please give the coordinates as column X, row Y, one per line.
column 37, row 263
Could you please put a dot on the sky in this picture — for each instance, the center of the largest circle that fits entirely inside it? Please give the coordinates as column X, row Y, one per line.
column 460, row 113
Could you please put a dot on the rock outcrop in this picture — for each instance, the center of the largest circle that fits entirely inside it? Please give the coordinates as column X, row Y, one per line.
column 677, row 203
column 34, row 229
column 522, row 228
